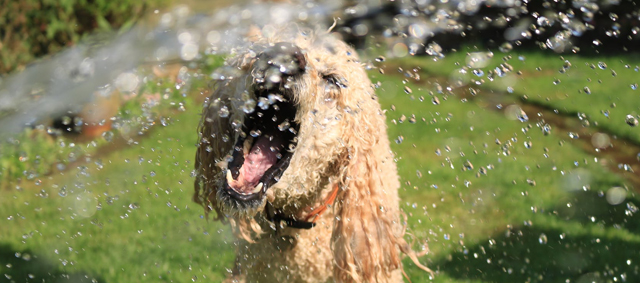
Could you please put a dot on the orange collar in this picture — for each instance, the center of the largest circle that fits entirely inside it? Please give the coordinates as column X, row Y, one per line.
column 316, row 212
column 309, row 221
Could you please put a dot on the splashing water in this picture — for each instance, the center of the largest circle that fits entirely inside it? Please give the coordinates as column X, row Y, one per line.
column 69, row 79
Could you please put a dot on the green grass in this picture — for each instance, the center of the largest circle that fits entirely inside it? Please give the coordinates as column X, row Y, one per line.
column 466, row 218
column 479, row 228
column 559, row 82
column 146, row 230
column 33, row 29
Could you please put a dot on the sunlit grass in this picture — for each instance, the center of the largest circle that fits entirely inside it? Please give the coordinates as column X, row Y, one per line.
column 466, row 215
column 604, row 88
column 538, row 214
column 146, row 230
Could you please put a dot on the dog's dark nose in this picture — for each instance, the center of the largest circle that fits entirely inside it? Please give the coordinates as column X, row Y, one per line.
column 281, row 59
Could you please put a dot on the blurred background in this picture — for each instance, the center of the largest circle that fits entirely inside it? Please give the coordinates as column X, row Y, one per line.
column 514, row 123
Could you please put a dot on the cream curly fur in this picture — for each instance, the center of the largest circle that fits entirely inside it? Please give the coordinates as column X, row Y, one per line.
column 342, row 141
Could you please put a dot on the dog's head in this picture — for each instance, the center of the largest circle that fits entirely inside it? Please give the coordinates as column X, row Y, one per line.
column 274, row 126
column 286, row 119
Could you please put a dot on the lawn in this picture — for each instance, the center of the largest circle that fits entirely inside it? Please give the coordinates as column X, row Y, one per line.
column 602, row 90
column 496, row 199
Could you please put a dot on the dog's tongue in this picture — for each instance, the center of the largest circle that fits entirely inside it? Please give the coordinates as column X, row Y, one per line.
column 262, row 156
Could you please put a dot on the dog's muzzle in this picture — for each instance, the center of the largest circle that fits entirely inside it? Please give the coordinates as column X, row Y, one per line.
column 266, row 144
column 278, row 63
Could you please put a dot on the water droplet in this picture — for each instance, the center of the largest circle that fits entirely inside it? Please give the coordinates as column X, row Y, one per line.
column 223, row 112
column 66, row 120
column 616, row 195
column 542, row 239
column 543, row 21
column 505, row 47
column 63, row 191
column 255, row 133
column 189, row 51
column 127, row 82
column 522, row 116
column 249, row 106
column 108, row 136
column 283, row 126
column 263, row 103
column 468, row 165
column 602, row 65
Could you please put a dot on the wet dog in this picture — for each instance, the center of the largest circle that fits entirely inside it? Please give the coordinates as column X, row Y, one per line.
column 293, row 152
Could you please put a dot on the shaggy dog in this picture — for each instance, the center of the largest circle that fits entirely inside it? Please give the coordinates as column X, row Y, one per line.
column 293, row 152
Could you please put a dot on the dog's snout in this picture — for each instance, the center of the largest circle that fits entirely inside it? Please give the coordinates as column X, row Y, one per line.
column 283, row 58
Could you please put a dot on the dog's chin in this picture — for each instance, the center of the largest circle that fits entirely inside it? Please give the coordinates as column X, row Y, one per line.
column 238, row 203
column 233, row 206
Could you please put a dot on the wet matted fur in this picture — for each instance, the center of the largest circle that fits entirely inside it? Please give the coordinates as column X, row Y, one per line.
column 340, row 142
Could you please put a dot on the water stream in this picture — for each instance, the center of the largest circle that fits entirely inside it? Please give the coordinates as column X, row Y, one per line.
column 68, row 80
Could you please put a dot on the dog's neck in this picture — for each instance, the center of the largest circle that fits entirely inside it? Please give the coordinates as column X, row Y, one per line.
column 304, row 220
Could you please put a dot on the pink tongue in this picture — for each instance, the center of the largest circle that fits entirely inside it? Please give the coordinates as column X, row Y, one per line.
column 260, row 158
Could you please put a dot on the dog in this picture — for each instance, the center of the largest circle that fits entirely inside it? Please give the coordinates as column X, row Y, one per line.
column 293, row 152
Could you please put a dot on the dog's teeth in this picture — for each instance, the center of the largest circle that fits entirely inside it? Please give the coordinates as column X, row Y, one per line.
column 246, row 147
column 258, row 188
column 229, row 177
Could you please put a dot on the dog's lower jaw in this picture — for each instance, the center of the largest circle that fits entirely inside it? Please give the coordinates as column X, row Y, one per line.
column 232, row 207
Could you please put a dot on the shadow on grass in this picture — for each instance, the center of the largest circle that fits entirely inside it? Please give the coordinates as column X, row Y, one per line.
column 592, row 207
column 572, row 254
column 26, row 266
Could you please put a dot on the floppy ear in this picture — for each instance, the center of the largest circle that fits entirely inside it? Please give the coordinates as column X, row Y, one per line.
column 215, row 138
column 367, row 240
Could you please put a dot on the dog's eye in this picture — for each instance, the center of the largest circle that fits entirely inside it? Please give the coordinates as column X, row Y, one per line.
column 331, row 88
column 334, row 80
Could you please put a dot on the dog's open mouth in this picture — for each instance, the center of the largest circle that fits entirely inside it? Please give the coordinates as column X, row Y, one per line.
column 262, row 153
column 265, row 146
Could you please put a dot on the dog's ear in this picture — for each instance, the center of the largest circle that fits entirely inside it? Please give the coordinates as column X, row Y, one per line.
column 367, row 240
column 366, row 237
column 215, row 137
